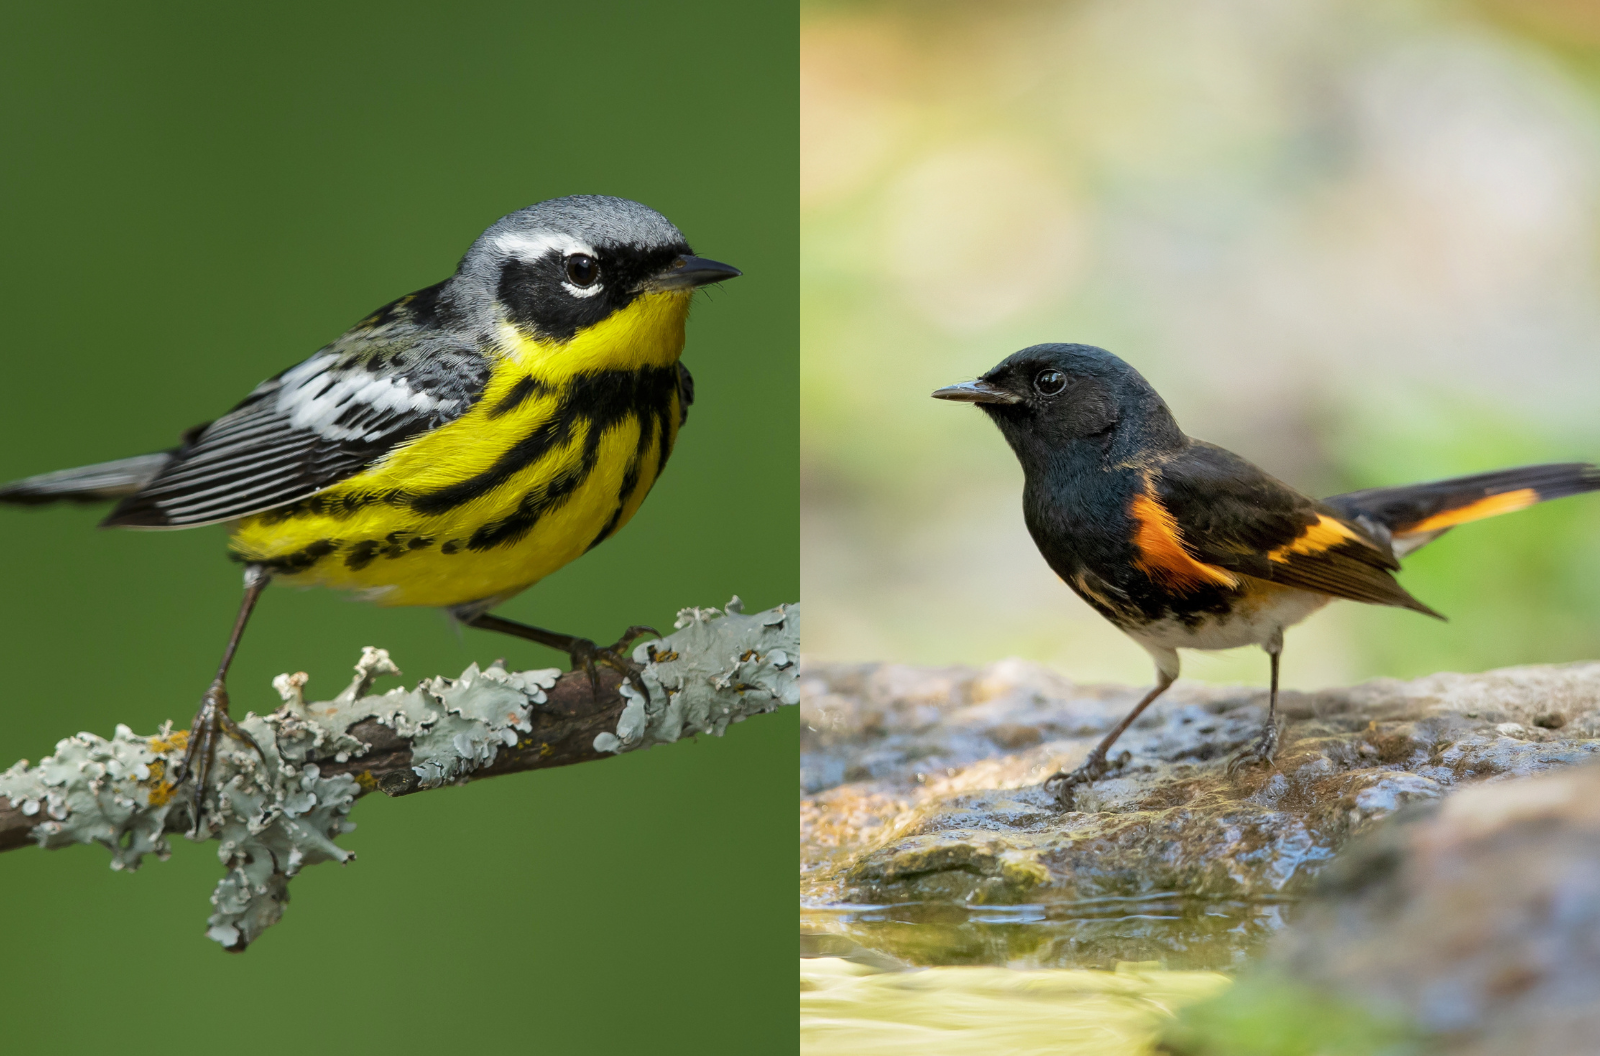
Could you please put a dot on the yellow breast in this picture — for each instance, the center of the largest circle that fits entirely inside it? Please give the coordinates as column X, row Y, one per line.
column 557, row 455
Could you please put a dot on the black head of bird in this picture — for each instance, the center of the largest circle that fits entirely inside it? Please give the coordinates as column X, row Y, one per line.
column 1077, row 400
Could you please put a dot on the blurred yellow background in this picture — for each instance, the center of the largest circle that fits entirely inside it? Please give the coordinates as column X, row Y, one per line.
column 1354, row 241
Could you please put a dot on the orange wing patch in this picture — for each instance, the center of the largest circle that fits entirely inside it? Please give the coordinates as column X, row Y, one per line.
column 1326, row 534
column 1489, row 506
column 1163, row 556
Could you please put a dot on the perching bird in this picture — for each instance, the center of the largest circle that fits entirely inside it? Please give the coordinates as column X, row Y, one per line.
column 453, row 448
column 1183, row 545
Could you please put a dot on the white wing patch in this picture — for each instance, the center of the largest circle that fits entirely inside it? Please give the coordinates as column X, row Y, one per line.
column 315, row 396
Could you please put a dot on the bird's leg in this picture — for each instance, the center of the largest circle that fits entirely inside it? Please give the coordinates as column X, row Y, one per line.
column 585, row 654
column 201, row 749
column 1096, row 766
column 1266, row 745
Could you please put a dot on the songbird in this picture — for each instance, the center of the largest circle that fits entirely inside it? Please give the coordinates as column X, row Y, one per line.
column 454, row 447
column 1184, row 545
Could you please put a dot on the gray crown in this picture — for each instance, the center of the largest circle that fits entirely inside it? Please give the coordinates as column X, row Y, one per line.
column 595, row 218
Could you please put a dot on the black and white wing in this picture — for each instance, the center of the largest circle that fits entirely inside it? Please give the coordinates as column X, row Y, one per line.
column 309, row 428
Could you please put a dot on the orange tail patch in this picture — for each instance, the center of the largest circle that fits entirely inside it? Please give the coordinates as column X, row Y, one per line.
column 1163, row 555
column 1489, row 506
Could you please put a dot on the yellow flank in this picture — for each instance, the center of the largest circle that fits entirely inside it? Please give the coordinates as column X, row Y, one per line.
column 1324, row 535
column 424, row 558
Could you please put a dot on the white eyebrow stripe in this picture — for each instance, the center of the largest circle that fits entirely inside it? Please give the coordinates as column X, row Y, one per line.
column 531, row 247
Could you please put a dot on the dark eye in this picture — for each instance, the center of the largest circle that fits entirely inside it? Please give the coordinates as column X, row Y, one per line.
column 582, row 269
column 1049, row 382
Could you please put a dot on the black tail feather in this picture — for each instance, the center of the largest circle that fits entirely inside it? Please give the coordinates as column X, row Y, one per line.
column 98, row 483
column 1428, row 509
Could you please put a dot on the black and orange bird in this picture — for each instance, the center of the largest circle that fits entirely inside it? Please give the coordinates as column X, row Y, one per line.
column 1184, row 545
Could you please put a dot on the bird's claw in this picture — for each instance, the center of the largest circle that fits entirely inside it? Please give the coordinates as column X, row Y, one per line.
column 201, row 750
column 1061, row 783
column 588, row 656
column 1261, row 752
column 625, row 643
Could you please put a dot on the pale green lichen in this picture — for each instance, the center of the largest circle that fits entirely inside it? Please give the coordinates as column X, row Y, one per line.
column 275, row 813
column 271, row 818
column 97, row 791
column 482, row 711
column 715, row 670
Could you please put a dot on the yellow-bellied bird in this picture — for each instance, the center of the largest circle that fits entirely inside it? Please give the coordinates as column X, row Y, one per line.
column 453, row 448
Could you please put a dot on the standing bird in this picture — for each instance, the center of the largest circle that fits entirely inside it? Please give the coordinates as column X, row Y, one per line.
column 1183, row 545
column 453, row 448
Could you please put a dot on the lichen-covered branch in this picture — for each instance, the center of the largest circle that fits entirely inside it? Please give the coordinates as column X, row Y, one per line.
column 279, row 811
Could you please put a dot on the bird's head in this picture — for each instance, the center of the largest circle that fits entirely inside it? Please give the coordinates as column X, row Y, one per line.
column 1046, row 397
column 604, row 273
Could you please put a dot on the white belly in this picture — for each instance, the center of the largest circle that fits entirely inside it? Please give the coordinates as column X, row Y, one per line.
column 1256, row 619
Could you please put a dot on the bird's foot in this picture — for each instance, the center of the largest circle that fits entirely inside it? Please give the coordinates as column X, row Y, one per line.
column 588, row 657
column 1261, row 752
column 201, row 750
column 1061, row 784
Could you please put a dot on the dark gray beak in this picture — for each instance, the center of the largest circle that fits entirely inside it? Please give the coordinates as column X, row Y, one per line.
column 688, row 272
column 976, row 392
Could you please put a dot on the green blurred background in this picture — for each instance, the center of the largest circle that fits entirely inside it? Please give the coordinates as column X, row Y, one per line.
column 195, row 197
column 1354, row 240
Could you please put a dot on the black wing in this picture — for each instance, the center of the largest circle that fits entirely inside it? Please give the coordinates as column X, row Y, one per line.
column 396, row 375
column 685, row 393
column 1236, row 517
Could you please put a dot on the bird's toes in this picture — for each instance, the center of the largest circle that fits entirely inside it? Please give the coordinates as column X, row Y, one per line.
column 631, row 672
column 1061, row 784
column 624, row 645
column 589, row 657
column 1261, row 753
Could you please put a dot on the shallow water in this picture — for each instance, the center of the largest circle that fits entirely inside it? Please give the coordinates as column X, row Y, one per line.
column 1093, row 977
column 1166, row 931
column 853, row 1009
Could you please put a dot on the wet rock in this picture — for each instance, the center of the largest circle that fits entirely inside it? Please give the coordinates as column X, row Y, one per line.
column 922, row 786
column 1473, row 926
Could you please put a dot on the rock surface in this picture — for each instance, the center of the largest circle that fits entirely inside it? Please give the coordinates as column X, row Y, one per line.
column 1473, row 926
column 921, row 787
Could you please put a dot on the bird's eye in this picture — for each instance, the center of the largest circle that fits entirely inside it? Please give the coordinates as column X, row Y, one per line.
column 582, row 269
column 1049, row 382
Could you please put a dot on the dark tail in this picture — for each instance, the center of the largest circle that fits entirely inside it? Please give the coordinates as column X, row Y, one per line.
column 1414, row 514
column 97, row 483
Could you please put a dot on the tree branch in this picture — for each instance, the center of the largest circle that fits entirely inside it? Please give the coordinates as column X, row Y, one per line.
column 281, row 811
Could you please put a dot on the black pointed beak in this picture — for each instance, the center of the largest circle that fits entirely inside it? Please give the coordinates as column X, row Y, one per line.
column 979, row 391
column 689, row 271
